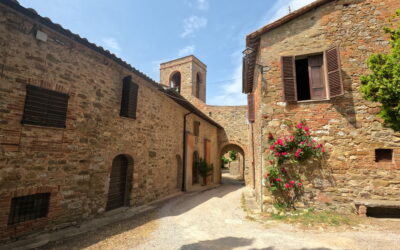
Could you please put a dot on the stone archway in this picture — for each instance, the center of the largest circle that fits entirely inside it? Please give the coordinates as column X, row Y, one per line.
column 120, row 182
column 238, row 168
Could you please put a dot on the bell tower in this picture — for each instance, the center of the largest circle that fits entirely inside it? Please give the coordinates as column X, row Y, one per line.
column 187, row 75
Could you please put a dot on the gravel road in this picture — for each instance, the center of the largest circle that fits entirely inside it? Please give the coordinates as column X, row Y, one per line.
column 214, row 219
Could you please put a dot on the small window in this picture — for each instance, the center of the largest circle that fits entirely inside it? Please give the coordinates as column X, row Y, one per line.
column 28, row 207
column 383, row 155
column 198, row 84
column 312, row 77
column 129, row 98
column 45, row 107
column 196, row 128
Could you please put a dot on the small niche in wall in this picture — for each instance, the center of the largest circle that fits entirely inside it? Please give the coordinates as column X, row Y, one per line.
column 383, row 212
column 383, row 155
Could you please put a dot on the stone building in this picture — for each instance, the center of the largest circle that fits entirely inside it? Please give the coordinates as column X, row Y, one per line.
column 307, row 65
column 83, row 132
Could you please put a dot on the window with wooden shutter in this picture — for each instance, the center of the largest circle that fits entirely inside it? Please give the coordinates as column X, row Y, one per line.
column 316, row 72
column 196, row 128
column 289, row 78
column 251, row 107
column 129, row 98
column 333, row 71
column 44, row 107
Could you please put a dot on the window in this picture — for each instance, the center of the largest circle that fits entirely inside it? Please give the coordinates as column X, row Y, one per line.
column 198, row 83
column 176, row 82
column 28, row 207
column 129, row 98
column 45, row 107
column 312, row 77
column 383, row 155
column 196, row 128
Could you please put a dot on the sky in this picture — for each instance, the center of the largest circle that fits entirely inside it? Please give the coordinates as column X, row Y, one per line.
column 145, row 33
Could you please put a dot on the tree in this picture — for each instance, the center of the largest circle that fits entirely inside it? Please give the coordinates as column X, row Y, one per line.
column 383, row 84
column 233, row 155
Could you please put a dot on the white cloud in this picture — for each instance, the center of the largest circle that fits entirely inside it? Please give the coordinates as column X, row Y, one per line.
column 198, row 4
column 203, row 4
column 232, row 91
column 111, row 44
column 281, row 8
column 188, row 50
column 193, row 23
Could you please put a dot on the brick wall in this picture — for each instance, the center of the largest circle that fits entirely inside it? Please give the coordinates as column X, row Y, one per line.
column 348, row 125
column 75, row 161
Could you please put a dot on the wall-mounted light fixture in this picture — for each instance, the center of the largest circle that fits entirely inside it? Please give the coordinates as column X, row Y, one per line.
column 247, row 51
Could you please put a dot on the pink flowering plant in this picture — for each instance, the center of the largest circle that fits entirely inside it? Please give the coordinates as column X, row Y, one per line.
column 286, row 155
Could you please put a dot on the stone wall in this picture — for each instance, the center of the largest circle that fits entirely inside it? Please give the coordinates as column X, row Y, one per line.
column 74, row 163
column 348, row 125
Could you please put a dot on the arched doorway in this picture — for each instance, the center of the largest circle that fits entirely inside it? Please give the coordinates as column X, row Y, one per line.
column 179, row 171
column 195, row 172
column 175, row 81
column 233, row 160
column 120, row 182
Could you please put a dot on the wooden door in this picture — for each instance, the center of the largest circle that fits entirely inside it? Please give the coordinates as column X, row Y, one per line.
column 118, row 183
column 195, row 174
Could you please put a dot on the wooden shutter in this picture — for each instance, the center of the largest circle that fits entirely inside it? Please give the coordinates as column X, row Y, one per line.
column 129, row 98
column 289, row 78
column 44, row 107
column 334, row 74
column 316, row 72
column 250, row 107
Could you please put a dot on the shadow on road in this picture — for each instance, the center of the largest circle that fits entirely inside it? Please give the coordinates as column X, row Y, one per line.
column 228, row 243
column 123, row 231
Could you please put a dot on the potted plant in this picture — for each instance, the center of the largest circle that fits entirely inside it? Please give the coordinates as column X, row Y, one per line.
column 205, row 170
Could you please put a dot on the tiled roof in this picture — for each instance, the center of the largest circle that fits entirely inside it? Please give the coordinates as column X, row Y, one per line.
column 31, row 13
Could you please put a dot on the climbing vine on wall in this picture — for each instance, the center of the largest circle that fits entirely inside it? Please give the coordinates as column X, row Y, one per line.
column 287, row 154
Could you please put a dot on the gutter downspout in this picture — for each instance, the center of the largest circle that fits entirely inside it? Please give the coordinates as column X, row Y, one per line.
column 184, row 153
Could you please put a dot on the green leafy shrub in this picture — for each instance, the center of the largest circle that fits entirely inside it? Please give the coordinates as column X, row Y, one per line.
column 383, row 84
column 233, row 155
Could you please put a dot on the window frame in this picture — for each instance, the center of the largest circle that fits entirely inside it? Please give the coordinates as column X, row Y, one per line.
column 28, row 117
column 290, row 97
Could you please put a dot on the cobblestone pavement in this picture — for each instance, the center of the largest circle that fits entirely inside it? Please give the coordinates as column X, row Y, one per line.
column 214, row 219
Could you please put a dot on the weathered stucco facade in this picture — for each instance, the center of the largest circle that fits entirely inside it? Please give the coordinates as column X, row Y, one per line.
column 73, row 164
column 348, row 125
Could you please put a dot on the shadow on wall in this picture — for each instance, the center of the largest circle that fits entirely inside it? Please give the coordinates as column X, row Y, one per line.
column 345, row 104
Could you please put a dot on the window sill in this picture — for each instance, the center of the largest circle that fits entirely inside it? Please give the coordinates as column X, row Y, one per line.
column 308, row 101
column 42, row 126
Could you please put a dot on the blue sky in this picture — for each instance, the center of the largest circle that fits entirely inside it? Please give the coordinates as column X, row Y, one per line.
column 147, row 32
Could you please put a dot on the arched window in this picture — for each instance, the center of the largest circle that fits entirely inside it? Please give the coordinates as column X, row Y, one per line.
column 175, row 82
column 198, row 83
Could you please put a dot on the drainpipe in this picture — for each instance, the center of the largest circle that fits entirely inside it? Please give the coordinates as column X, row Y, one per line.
column 184, row 153
column 261, row 168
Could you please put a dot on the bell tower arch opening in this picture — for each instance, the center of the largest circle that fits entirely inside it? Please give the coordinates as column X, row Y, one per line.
column 187, row 75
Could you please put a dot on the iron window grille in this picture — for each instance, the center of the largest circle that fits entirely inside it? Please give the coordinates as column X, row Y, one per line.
column 45, row 107
column 28, row 207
